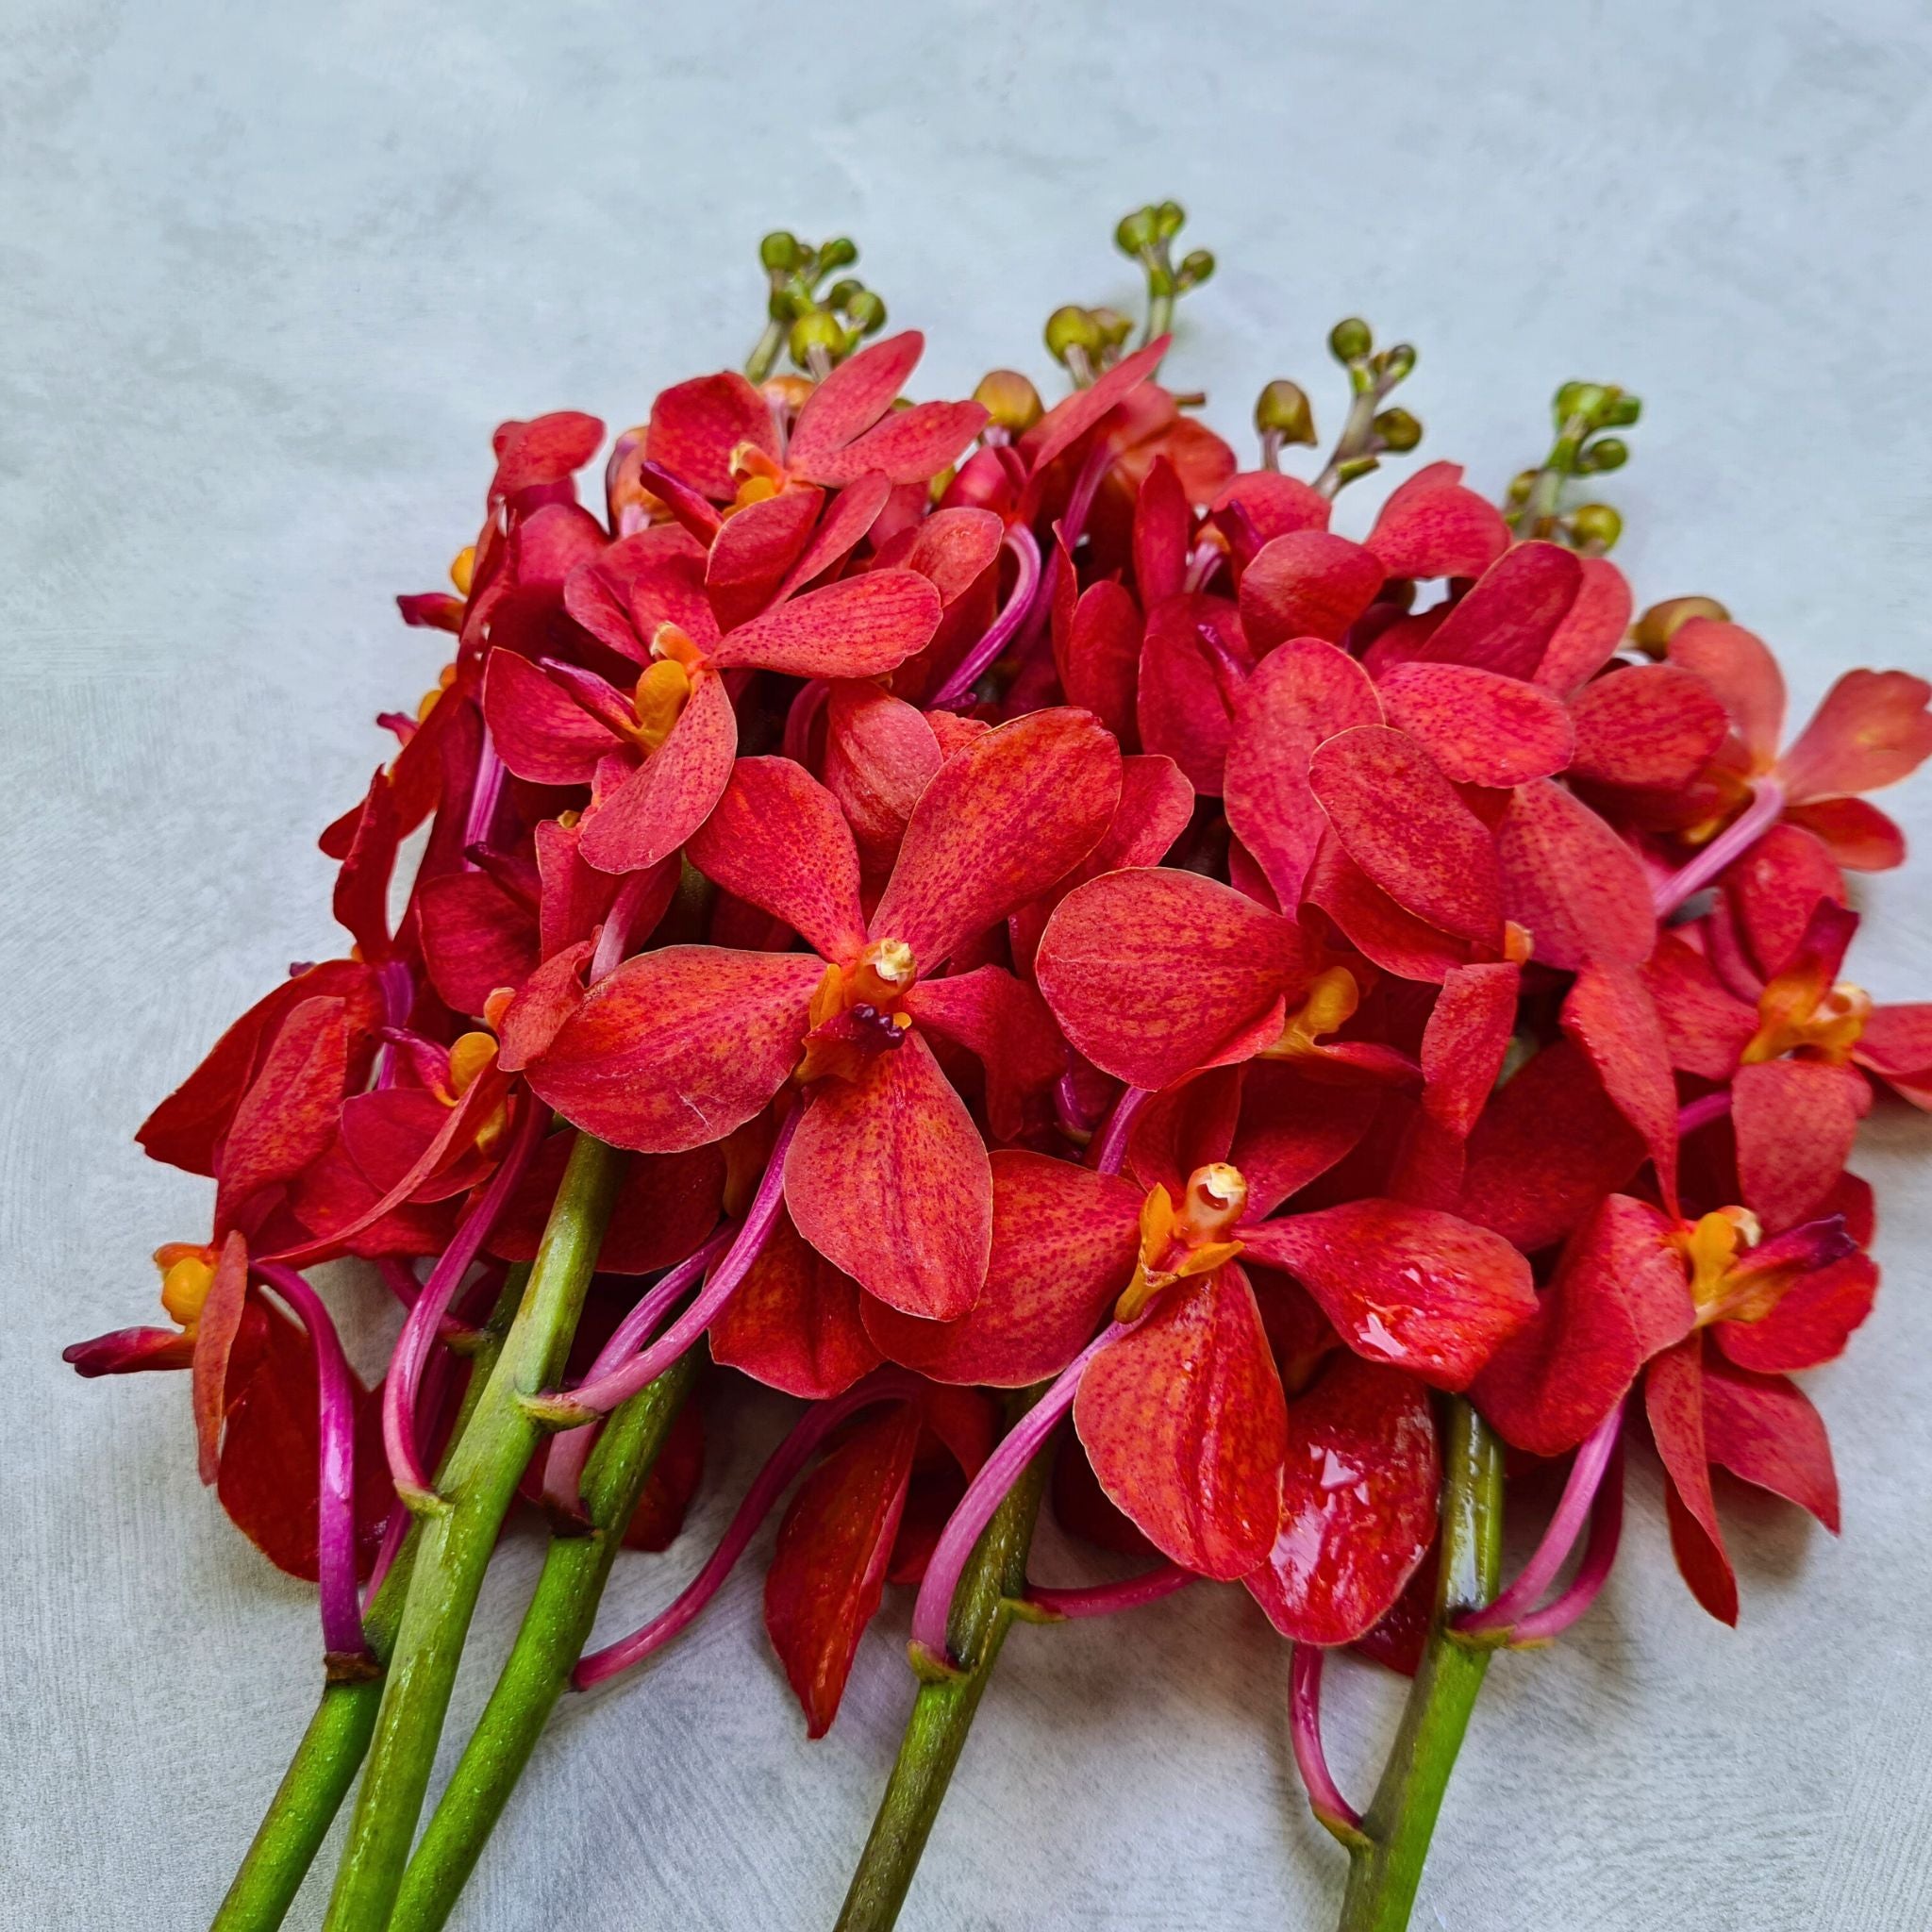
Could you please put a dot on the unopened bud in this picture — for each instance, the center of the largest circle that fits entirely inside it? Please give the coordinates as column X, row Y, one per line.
column 1072, row 327
column 1351, row 340
column 1605, row 454
column 1114, row 327
column 1520, row 486
column 1170, row 218
column 1008, row 399
column 1595, row 526
column 1622, row 411
column 1397, row 431
column 841, row 252
column 1138, row 231
column 778, row 251
column 1652, row 632
column 842, row 292
column 1196, row 266
column 866, row 313
column 1282, row 410
column 1578, row 400
column 1393, row 365
column 822, row 330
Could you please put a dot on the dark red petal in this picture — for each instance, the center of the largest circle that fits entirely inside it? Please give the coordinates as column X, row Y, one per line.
column 1161, row 535
column 1480, row 726
column 1775, row 889
column 1464, row 1043
column 676, row 1474
column 1067, row 422
column 1308, row 585
column 1002, row 822
column 1707, row 1030
column 215, row 1337
column 1152, row 973
column 695, row 425
column 1293, row 1130
column 1566, row 878
column 288, row 1116
column 1811, row 1324
column 1795, row 1122
column 887, row 1179
column 1097, row 644
column 540, row 732
column 670, row 795
column 1374, row 924
column 1608, row 1013
column 1619, row 1295
column 794, row 1321
column 1005, row 1023
column 1585, row 640
column 828, row 1571
column 777, row 840
column 1187, row 687
column 1358, row 1503
column 476, row 938
column 1063, row 1246
column 1183, row 1423
column 1400, row 820
column 1652, row 728
column 1761, row 1428
column 667, row 1204
column 679, row 1047
column 1412, row 1287
column 1673, row 1399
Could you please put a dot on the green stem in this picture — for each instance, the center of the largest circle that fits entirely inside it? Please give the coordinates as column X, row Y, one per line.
column 942, row 1713
column 332, row 1748
column 1537, row 517
column 453, row 1544
column 554, row 1631
column 758, row 363
column 1386, row 1867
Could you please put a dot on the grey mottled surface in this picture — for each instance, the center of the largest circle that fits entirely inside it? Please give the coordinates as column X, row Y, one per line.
column 267, row 276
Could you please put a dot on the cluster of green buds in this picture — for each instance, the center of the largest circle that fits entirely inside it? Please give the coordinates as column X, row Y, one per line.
column 1372, row 430
column 1584, row 414
column 1084, row 341
column 1147, row 236
column 820, row 326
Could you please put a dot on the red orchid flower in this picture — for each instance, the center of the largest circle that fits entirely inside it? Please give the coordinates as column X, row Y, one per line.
column 887, row 1175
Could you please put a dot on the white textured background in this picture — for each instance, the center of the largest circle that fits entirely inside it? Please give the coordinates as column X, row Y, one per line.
column 269, row 276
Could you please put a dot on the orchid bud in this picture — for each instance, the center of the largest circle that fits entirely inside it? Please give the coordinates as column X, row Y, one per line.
column 1351, row 340
column 822, row 330
column 841, row 292
column 1008, row 400
column 1196, row 266
column 1393, row 365
column 1520, row 486
column 1622, row 413
column 1397, row 431
column 1137, row 232
column 1595, row 526
column 1606, row 453
column 1114, row 327
column 1652, row 632
column 1578, row 400
column 866, row 313
column 779, row 251
column 841, row 252
column 1070, row 327
column 1170, row 218
column 1282, row 410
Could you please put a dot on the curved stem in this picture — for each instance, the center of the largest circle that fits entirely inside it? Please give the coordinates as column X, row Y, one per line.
column 1767, row 806
column 335, row 1507
column 453, row 1548
column 332, row 1748
column 1386, row 1867
column 548, row 1643
column 1325, row 1801
column 770, row 1482
column 1104, row 1599
column 958, row 686
column 1599, row 1554
column 599, row 1396
column 1701, row 1112
column 943, row 1711
column 1110, row 1150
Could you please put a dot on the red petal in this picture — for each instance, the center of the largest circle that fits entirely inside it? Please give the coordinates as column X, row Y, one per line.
column 128, row 1351
column 1374, row 924
column 1897, row 1043
column 1871, row 730
column 1571, row 881
column 546, row 999
column 670, row 795
column 1618, row 1297
column 361, row 902
column 1004, row 1022
column 476, row 938
column 1300, row 694
column 1673, row 1399
column 1480, row 726
column 1464, row 1043
column 828, row 1571
column 598, row 595
column 887, row 1179
column 215, row 1345
column 909, row 446
column 1401, row 821
column 1161, row 535
column 1705, row 1030
column 777, row 839
column 1003, row 820
column 1183, row 1423
column 1063, row 1246
column 287, row 1116
column 850, row 400
column 696, row 425
column 1795, row 1122
column 1547, row 1148
column 1152, row 973
column 1308, row 585
column 792, row 1322
column 668, row 587
column 1507, row 618
column 857, row 628
column 666, row 1207
column 1097, row 644
column 1067, row 422
column 1608, row 1013
column 1761, row 1428
column 676, row 1474
column 1773, row 889
column 1292, row 1131
column 880, row 755
column 546, row 449
column 1652, row 728
column 1810, row 1324
column 1263, row 505
column 1431, row 526
column 755, row 549
column 1358, row 1503
column 1187, row 1125
column 1859, row 836
column 1586, row 639
column 954, row 548
column 1412, row 1287
column 679, row 1047
column 540, row 732
column 1188, row 690
column 1744, row 673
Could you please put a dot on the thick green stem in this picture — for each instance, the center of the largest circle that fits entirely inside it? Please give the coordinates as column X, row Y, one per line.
column 764, row 353
column 453, row 1544
column 1386, row 1867
column 942, row 1713
column 332, row 1748
column 554, row 1629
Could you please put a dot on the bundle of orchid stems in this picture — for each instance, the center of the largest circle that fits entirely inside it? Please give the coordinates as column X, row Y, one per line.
column 996, row 921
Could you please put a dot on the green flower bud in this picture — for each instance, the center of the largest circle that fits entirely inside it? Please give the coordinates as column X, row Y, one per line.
column 1393, row 365
column 1137, row 231
column 1579, row 399
column 1351, row 340
column 818, row 328
column 866, row 313
column 1622, row 411
column 842, row 292
column 1606, row 453
column 1169, row 219
column 1595, row 526
column 1114, row 327
column 1008, row 399
column 778, row 251
column 1072, row 327
column 1397, row 431
column 1652, row 632
column 1196, row 266
column 841, row 252
column 1520, row 486
column 1282, row 410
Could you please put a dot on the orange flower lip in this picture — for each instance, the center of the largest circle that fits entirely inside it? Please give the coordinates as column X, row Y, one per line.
column 1193, row 1238
column 856, row 1012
